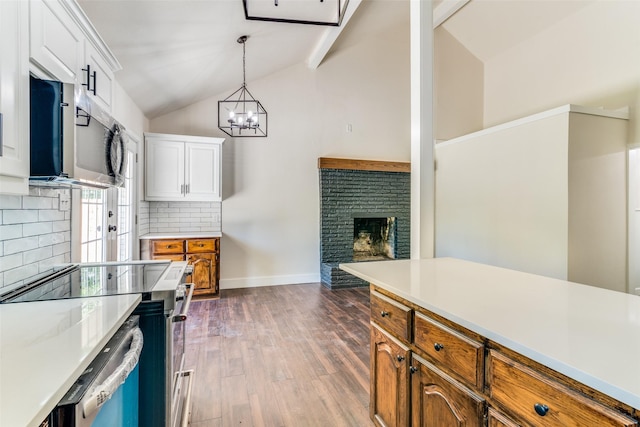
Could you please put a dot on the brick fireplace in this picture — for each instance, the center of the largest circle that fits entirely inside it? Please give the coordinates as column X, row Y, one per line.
column 364, row 215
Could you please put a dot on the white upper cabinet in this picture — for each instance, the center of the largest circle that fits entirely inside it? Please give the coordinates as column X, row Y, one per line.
column 64, row 46
column 56, row 41
column 182, row 168
column 14, row 97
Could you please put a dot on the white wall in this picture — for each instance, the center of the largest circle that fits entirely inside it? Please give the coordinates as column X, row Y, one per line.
column 590, row 58
column 270, row 209
column 127, row 112
column 458, row 88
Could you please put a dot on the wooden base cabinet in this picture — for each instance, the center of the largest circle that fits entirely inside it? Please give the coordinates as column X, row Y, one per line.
column 439, row 400
column 202, row 254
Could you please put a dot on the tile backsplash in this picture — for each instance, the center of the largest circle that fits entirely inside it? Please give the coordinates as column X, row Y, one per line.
column 35, row 234
column 181, row 217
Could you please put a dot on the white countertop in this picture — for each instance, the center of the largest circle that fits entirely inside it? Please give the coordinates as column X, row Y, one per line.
column 192, row 235
column 589, row 334
column 46, row 345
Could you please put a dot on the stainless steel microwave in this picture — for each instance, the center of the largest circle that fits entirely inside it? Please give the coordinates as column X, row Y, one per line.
column 73, row 141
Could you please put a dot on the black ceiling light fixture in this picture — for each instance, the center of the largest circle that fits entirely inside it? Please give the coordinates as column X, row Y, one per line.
column 313, row 12
column 240, row 114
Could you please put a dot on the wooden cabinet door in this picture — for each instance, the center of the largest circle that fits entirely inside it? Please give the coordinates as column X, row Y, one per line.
column 204, row 272
column 202, row 171
column 164, row 178
column 439, row 400
column 389, row 405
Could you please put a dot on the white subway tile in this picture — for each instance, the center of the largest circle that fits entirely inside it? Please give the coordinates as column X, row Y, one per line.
column 61, row 226
column 10, row 261
column 61, row 248
column 50, row 239
column 10, row 202
column 36, row 228
column 50, row 215
column 36, row 255
column 30, row 202
column 19, row 216
column 20, row 274
column 20, row 245
column 10, row 231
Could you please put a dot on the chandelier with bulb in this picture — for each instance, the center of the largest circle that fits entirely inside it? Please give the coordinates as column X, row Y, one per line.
column 240, row 114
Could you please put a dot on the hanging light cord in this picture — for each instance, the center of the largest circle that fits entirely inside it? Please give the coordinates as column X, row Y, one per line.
column 244, row 72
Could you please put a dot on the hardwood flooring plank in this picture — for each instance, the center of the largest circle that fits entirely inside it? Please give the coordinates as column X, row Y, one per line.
column 280, row 356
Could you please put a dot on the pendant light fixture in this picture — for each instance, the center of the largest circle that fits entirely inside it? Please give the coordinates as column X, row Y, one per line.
column 240, row 114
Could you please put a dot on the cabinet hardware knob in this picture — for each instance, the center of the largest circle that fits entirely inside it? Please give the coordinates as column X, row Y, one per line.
column 112, row 228
column 400, row 358
column 438, row 346
column 413, row 369
column 541, row 409
column 384, row 313
column 169, row 246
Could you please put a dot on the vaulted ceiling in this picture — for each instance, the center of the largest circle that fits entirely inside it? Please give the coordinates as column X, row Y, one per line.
column 177, row 52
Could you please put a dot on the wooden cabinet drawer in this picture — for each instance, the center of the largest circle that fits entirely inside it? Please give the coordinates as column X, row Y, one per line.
column 391, row 315
column 456, row 353
column 539, row 400
column 167, row 246
column 202, row 245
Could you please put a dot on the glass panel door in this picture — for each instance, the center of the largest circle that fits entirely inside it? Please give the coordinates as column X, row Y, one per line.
column 107, row 223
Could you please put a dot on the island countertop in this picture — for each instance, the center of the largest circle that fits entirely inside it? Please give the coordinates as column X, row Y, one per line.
column 46, row 345
column 589, row 334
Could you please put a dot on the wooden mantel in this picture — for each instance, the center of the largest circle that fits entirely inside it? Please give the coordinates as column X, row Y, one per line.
column 363, row 165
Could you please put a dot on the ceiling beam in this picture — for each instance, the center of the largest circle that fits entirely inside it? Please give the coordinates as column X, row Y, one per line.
column 445, row 10
column 330, row 36
column 441, row 13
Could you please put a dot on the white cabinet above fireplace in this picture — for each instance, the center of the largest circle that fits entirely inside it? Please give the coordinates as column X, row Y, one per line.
column 182, row 168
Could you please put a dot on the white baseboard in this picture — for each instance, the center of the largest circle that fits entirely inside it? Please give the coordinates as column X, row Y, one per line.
column 256, row 282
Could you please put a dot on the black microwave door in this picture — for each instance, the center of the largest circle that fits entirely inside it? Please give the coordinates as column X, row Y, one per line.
column 46, row 127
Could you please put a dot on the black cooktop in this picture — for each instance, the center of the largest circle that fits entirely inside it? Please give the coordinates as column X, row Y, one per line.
column 89, row 280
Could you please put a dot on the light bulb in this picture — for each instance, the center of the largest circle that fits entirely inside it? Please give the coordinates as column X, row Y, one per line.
column 249, row 113
column 231, row 114
column 240, row 119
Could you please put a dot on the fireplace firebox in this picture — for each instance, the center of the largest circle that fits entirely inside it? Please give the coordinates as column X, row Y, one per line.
column 374, row 239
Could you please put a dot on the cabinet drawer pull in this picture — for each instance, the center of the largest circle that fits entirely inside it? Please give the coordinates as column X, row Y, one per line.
column 541, row 409
column 413, row 369
column 169, row 246
column 400, row 358
column 437, row 346
column 384, row 313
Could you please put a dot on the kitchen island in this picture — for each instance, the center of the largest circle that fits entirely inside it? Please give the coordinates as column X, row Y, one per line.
column 518, row 345
column 46, row 345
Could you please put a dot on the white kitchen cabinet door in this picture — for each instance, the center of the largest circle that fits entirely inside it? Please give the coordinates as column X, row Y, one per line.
column 202, row 171
column 164, row 177
column 100, row 77
column 14, row 97
column 56, row 42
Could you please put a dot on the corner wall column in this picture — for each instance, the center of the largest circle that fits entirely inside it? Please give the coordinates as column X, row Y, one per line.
column 422, row 148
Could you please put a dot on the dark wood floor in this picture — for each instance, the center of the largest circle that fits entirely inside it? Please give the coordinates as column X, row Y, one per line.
column 295, row 355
